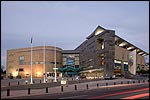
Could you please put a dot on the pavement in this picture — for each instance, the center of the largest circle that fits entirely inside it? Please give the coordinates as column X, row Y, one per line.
column 69, row 88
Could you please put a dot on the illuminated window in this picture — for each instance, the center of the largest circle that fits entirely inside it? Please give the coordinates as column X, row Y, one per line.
column 125, row 66
column 102, row 59
column 103, row 45
column 117, row 65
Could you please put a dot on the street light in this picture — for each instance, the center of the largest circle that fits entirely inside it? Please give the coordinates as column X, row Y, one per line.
column 44, row 62
column 55, row 80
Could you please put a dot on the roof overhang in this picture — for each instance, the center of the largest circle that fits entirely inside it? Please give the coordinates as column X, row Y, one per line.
column 130, row 47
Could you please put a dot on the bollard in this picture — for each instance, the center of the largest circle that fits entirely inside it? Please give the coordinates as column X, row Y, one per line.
column 46, row 89
column 87, row 86
column 138, row 81
column 97, row 84
column 106, row 84
column 148, row 80
column 121, row 82
column 62, row 88
column 8, row 92
column 114, row 83
column 18, row 82
column 128, row 82
column 9, row 84
column 40, row 81
column 28, row 90
column 143, row 81
column 75, row 87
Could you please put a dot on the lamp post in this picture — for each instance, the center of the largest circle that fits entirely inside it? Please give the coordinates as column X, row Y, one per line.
column 44, row 61
column 55, row 80
column 31, row 64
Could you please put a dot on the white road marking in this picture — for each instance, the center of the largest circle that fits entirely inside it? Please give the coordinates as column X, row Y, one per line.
column 73, row 97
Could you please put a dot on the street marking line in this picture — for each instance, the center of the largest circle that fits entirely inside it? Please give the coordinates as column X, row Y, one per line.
column 136, row 96
column 73, row 97
column 119, row 93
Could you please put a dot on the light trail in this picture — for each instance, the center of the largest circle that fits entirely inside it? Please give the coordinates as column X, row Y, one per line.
column 137, row 96
column 118, row 93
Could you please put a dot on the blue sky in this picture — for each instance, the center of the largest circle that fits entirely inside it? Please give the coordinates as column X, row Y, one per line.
column 68, row 23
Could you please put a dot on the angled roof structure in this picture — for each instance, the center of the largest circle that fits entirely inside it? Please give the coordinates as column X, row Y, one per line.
column 118, row 41
column 98, row 30
column 130, row 47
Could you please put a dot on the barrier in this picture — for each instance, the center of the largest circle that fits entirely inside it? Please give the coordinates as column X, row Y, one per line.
column 9, row 84
column 138, row 81
column 28, row 90
column 114, row 83
column 75, row 87
column 62, row 88
column 106, row 83
column 87, row 86
column 97, row 85
column 8, row 92
column 46, row 89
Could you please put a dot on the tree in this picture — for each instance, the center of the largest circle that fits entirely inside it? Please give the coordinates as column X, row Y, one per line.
column 2, row 69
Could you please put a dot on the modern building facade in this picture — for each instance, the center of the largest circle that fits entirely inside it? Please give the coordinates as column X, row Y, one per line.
column 102, row 54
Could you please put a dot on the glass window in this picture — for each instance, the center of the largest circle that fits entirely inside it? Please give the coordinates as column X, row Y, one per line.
column 102, row 59
column 21, row 60
column 103, row 45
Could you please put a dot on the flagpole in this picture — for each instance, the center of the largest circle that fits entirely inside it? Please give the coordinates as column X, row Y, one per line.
column 44, row 61
column 55, row 62
column 31, row 64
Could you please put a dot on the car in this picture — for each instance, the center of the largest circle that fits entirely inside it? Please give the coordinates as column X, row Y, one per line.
column 82, row 76
column 110, row 77
column 107, row 77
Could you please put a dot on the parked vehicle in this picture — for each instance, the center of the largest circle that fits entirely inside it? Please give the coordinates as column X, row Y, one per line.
column 110, row 77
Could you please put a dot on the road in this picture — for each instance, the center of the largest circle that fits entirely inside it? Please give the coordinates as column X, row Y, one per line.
column 120, row 91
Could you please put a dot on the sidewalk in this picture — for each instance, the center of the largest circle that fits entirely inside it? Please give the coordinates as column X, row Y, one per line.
column 57, row 89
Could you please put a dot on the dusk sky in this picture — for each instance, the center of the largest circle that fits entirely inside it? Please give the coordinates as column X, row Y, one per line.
column 68, row 23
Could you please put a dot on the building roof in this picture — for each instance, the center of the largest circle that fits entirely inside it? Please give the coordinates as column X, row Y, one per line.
column 118, row 41
column 98, row 30
column 125, row 44
column 70, row 51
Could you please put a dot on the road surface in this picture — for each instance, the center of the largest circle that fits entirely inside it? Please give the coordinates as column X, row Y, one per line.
column 120, row 91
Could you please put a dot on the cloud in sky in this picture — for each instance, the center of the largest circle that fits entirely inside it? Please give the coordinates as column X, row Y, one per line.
column 69, row 22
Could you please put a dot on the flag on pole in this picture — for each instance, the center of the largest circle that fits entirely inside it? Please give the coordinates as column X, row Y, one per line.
column 31, row 39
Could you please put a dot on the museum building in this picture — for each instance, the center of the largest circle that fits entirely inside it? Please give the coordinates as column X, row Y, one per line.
column 102, row 54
